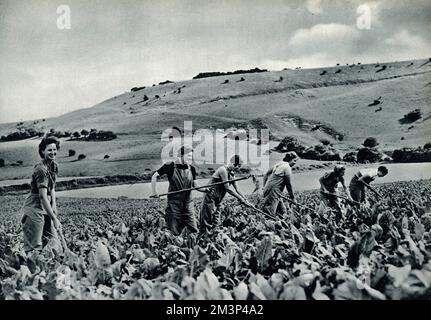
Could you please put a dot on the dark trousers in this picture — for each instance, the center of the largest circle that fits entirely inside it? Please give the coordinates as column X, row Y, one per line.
column 357, row 190
column 209, row 216
column 180, row 214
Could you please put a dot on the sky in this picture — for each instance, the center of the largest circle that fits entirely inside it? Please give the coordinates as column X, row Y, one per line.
column 112, row 46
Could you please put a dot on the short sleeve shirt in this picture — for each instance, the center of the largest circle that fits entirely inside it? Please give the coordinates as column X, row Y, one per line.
column 330, row 180
column 229, row 173
column 44, row 176
column 282, row 169
column 368, row 175
column 281, row 172
column 372, row 173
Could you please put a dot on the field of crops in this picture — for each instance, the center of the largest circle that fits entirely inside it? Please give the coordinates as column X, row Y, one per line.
column 121, row 249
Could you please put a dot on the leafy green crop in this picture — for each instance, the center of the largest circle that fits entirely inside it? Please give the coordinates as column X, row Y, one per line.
column 121, row 249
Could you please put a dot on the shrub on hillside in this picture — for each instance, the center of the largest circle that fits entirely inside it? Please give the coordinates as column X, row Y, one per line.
column 84, row 132
column 165, row 82
column 411, row 116
column 94, row 135
column 134, row 89
column 2, row 163
column 427, row 146
column 57, row 134
column 71, row 152
column 321, row 153
column 290, row 144
column 22, row 134
column 101, row 135
column 412, row 155
column 370, row 142
column 350, row 157
column 369, row 155
column 82, row 157
column 325, row 142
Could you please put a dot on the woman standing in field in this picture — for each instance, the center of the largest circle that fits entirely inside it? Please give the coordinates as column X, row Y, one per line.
column 181, row 175
column 39, row 219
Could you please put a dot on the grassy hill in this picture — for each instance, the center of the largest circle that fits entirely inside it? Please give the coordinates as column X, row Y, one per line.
column 309, row 104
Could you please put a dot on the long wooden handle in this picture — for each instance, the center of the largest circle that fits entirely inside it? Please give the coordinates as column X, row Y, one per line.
column 263, row 212
column 202, row 187
column 341, row 197
column 291, row 201
column 371, row 188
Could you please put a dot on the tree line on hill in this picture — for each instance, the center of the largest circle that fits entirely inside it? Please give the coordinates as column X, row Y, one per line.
column 217, row 74
column 84, row 135
column 368, row 152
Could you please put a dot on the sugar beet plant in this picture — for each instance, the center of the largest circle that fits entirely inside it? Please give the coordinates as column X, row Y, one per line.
column 121, row 249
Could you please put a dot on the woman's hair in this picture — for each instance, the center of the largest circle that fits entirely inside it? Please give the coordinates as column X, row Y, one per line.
column 185, row 149
column 339, row 168
column 47, row 141
column 236, row 160
column 289, row 156
column 383, row 170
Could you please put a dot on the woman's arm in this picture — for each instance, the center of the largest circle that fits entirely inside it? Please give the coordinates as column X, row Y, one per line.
column 54, row 202
column 361, row 180
column 266, row 176
column 153, row 184
column 236, row 195
column 323, row 186
column 343, row 184
column 288, row 184
column 224, row 177
column 43, row 195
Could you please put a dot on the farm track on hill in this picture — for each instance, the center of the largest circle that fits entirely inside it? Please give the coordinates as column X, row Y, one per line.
column 298, row 86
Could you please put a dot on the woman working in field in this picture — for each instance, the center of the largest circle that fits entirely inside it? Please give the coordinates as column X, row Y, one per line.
column 214, row 196
column 362, row 179
column 181, row 175
column 328, row 188
column 39, row 219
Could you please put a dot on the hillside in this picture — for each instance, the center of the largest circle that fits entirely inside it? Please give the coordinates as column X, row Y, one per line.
column 309, row 104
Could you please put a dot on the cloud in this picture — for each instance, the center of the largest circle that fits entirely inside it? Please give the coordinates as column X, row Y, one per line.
column 331, row 37
column 329, row 44
column 404, row 39
column 403, row 45
column 314, row 6
column 115, row 45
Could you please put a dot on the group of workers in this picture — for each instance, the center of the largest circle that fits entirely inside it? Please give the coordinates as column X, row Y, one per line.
column 40, row 219
column 182, row 175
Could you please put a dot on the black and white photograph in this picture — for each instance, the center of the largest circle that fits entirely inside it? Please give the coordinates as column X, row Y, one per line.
column 230, row 152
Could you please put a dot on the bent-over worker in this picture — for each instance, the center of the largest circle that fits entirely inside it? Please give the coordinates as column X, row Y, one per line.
column 215, row 194
column 275, row 180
